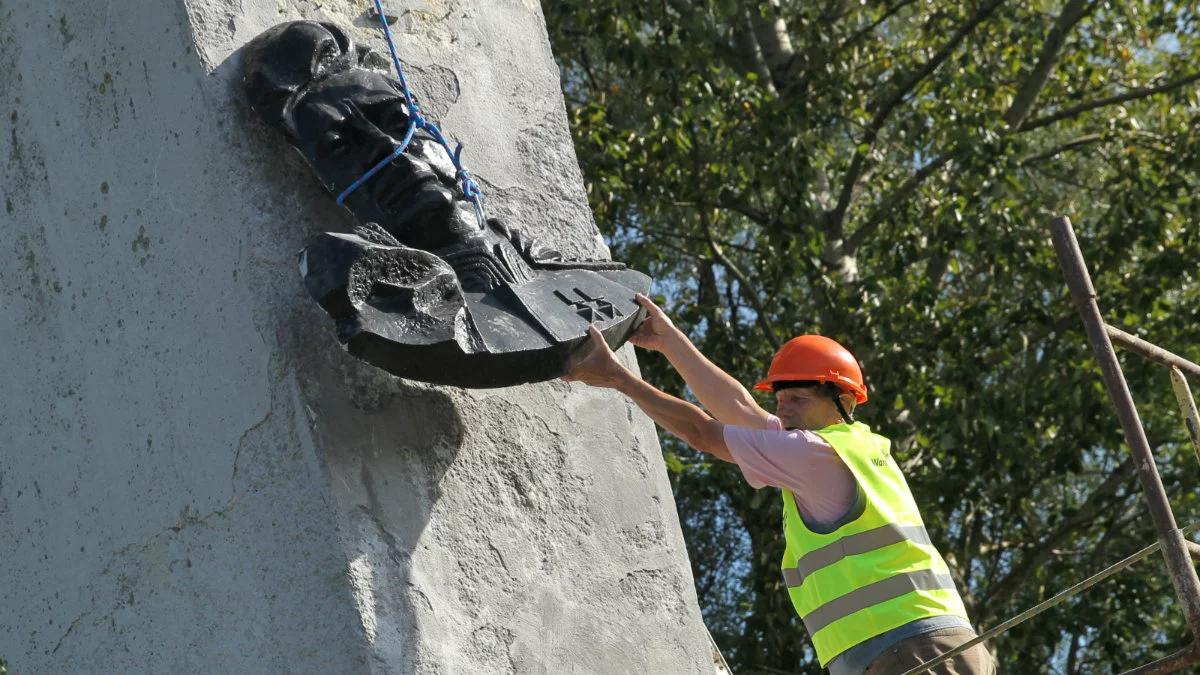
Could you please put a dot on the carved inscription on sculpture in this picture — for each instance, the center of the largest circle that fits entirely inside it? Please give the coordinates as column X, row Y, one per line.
column 424, row 286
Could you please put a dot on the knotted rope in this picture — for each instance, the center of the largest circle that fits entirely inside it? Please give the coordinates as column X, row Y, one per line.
column 417, row 120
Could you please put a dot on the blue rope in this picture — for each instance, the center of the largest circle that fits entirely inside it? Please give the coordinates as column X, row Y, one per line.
column 418, row 121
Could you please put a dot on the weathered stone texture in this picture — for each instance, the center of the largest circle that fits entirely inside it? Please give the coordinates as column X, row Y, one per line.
column 194, row 475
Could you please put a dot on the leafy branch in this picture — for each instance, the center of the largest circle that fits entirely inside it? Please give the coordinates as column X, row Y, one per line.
column 1098, row 502
column 885, row 108
column 1131, row 95
column 1072, row 13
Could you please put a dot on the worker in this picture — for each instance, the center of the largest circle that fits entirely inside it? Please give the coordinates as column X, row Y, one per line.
column 873, row 592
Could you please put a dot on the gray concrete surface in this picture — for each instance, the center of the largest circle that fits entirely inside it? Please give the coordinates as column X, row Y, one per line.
column 195, row 477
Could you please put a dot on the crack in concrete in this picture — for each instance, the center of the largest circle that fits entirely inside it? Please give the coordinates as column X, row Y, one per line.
column 70, row 628
column 241, row 444
column 185, row 520
column 500, row 557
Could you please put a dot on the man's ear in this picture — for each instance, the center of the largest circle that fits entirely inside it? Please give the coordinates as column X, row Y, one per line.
column 848, row 400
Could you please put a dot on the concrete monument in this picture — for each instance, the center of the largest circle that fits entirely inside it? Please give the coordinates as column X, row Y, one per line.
column 195, row 476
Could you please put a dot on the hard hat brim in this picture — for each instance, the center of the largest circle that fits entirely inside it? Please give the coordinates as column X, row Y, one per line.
column 845, row 383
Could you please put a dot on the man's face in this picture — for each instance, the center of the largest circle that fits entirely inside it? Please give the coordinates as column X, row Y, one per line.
column 351, row 121
column 804, row 408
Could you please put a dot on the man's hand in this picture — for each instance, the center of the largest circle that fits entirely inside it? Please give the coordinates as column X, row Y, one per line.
column 693, row 425
column 656, row 330
column 600, row 368
column 725, row 397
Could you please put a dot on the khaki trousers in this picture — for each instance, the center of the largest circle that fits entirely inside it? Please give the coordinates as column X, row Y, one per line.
column 914, row 651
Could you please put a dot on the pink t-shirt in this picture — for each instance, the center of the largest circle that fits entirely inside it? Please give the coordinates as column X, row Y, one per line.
column 800, row 461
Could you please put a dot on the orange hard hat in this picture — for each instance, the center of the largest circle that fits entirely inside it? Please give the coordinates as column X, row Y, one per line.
column 816, row 358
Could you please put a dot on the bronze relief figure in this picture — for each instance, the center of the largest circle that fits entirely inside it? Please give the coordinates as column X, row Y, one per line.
column 424, row 286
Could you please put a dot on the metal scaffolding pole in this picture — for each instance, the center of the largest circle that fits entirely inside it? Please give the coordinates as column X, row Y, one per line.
column 1174, row 546
column 1151, row 351
column 1187, row 407
column 1177, row 550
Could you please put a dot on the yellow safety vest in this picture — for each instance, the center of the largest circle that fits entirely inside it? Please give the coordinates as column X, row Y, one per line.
column 874, row 573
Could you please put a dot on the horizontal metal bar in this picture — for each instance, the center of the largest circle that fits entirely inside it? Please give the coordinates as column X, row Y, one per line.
column 1150, row 350
column 1184, row 657
column 1056, row 600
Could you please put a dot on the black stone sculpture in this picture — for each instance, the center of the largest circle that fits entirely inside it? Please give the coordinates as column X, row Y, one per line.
column 421, row 287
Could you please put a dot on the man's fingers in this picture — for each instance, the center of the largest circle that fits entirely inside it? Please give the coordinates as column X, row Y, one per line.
column 597, row 337
column 646, row 302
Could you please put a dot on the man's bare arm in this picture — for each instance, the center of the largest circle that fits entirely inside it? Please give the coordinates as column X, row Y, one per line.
column 684, row 420
column 717, row 391
column 679, row 417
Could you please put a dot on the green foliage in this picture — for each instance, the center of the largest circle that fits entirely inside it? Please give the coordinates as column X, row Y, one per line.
column 884, row 173
column 3, row 666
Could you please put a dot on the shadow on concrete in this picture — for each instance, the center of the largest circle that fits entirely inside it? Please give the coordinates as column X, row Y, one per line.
column 384, row 443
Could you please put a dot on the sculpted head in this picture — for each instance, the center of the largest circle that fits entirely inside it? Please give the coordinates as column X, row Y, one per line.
column 308, row 81
column 419, row 286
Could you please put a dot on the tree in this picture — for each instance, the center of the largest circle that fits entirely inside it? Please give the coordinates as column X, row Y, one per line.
column 884, row 173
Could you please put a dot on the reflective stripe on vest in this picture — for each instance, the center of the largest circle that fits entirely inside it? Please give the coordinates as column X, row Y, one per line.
column 880, row 591
column 853, row 545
